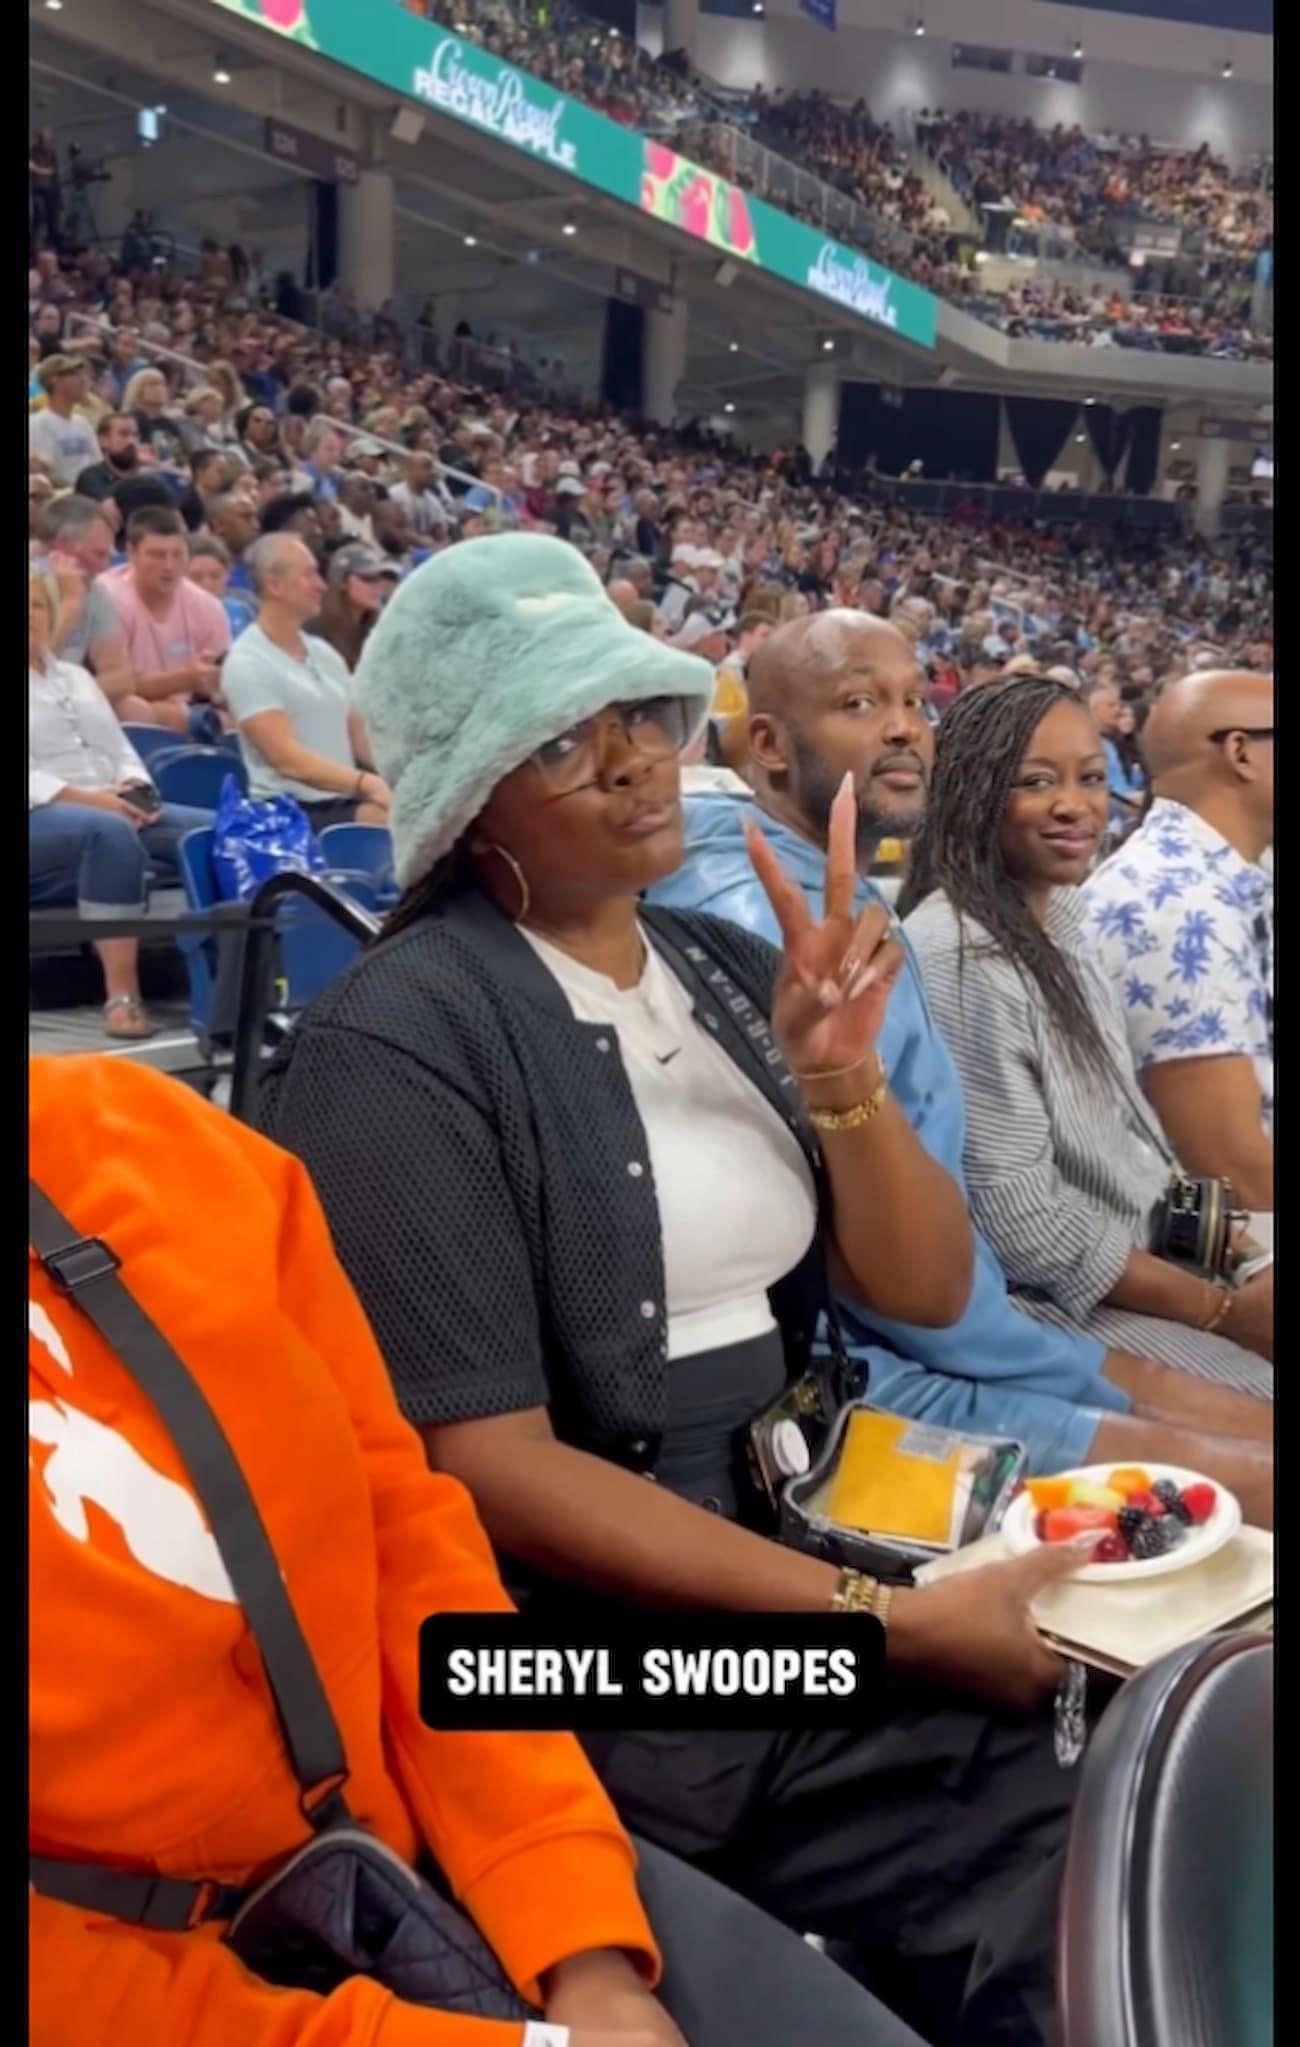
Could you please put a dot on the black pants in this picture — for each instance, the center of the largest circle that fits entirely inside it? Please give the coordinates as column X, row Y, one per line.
column 930, row 1844
column 732, row 1978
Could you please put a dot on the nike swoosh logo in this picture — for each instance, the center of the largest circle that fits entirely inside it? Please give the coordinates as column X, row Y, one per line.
column 665, row 1058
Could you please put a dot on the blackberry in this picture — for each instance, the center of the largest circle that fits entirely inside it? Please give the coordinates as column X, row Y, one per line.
column 1168, row 1494
column 1155, row 1538
column 1130, row 1519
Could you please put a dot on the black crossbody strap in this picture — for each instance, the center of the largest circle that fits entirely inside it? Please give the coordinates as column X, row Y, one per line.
column 86, row 1271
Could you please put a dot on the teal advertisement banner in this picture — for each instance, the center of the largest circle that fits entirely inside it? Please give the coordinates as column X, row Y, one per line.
column 438, row 69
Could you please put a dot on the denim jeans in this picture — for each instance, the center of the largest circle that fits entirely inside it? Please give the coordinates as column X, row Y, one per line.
column 99, row 862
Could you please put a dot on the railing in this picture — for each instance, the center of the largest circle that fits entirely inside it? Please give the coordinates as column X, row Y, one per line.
column 749, row 162
column 1009, row 501
column 257, row 971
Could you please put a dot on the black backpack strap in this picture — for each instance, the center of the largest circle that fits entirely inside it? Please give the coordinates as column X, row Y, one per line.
column 85, row 1270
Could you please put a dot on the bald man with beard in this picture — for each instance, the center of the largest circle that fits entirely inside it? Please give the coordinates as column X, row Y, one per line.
column 1183, row 915
column 840, row 694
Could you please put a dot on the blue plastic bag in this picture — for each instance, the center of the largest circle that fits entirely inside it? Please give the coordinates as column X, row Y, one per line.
column 256, row 837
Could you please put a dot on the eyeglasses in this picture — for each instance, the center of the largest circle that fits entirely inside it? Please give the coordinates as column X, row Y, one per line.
column 656, row 728
column 1240, row 732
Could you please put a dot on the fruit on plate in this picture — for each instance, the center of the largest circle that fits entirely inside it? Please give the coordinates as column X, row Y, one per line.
column 1049, row 1492
column 1129, row 1478
column 1132, row 1523
column 1086, row 1493
column 1062, row 1524
column 1200, row 1501
column 1156, row 1538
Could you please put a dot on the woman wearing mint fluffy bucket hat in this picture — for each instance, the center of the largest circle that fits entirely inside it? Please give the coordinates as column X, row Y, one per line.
column 586, row 1161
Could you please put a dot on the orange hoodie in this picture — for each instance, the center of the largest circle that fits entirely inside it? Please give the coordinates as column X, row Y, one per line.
column 154, row 1742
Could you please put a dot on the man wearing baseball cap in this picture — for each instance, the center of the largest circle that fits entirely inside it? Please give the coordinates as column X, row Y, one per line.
column 58, row 434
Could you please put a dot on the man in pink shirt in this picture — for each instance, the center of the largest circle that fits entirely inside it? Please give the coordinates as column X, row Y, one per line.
column 176, row 635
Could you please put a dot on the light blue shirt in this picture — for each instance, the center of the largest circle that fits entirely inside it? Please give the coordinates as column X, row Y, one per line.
column 987, row 1371
column 1185, row 927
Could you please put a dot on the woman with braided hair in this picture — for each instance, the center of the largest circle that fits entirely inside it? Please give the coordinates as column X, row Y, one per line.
column 1066, row 1163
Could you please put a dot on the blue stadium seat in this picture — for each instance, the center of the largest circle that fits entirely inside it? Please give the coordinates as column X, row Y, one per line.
column 313, row 950
column 149, row 740
column 363, row 849
column 196, row 775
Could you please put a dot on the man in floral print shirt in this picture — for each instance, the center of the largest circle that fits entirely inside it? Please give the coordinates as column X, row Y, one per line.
column 1183, row 916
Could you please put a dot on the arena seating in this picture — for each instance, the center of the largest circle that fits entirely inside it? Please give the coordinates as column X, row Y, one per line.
column 1085, row 186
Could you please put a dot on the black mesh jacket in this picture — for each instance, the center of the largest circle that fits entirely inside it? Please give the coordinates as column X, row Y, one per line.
column 484, row 1170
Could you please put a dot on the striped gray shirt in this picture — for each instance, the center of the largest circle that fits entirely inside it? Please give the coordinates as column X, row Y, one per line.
column 1064, row 1173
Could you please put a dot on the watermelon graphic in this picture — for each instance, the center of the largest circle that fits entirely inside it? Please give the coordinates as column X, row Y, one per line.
column 287, row 17
column 697, row 201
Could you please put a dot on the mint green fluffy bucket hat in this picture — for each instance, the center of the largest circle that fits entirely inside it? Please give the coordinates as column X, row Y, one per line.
column 487, row 652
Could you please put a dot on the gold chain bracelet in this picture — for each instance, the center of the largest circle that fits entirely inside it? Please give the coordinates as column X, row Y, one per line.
column 1218, row 1315
column 836, row 1120
column 857, row 1593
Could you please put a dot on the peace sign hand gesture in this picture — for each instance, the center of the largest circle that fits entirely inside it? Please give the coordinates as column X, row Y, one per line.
column 837, row 976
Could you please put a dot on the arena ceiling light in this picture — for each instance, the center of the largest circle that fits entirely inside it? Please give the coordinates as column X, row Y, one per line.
column 730, row 405
column 1227, row 67
column 471, row 241
column 220, row 72
column 1077, row 50
column 54, row 6
column 829, row 344
column 919, row 29
column 570, row 226
column 733, row 348
column 758, row 8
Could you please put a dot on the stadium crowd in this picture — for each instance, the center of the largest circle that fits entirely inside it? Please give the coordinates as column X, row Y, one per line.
column 520, row 1141
column 1084, row 187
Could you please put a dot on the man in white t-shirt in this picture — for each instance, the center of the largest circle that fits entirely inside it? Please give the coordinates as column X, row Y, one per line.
column 292, row 697
column 59, row 435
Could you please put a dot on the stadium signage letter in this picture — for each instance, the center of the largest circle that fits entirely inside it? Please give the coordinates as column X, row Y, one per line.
column 498, row 100
column 853, row 284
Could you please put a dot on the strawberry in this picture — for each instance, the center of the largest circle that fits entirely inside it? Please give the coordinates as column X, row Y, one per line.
column 1148, row 1503
column 1200, row 1501
column 1060, row 1524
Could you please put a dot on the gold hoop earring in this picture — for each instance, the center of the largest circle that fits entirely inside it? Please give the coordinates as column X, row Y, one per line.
column 521, row 879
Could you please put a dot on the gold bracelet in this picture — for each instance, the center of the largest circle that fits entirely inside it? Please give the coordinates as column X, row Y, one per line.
column 862, row 1112
column 1221, row 1310
column 836, row 1072
column 857, row 1593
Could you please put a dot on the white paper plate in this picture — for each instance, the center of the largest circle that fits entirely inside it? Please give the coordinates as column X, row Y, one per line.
column 1017, row 1529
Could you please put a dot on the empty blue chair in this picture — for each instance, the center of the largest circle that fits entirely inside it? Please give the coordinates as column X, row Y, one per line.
column 196, row 775
column 149, row 740
column 363, row 849
column 313, row 949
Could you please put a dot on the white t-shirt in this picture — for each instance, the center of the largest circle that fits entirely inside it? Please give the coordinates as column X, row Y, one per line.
column 315, row 695
column 66, row 446
column 737, row 1205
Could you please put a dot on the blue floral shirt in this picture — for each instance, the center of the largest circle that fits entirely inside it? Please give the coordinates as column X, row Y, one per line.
column 1185, row 927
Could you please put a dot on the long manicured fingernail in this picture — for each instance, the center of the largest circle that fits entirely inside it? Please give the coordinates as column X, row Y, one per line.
column 847, row 783
column 866, row 979
column 830, row 994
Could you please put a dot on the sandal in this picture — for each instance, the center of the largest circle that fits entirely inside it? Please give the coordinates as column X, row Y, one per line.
column 133, row 1019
